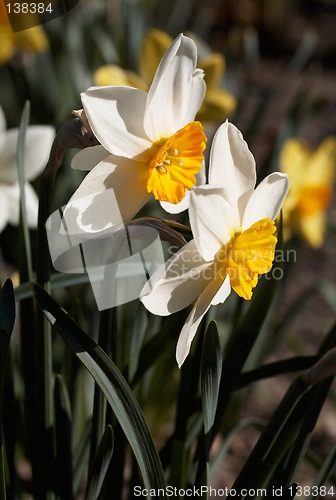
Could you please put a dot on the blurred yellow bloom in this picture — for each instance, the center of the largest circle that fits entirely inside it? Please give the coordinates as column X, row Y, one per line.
column 29, row 40
column 217, row 105
column 312, row 174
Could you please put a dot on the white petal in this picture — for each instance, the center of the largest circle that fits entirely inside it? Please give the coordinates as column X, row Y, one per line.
column 176, row 285
column 177, row 90
column 232, row 166
column 177, row 208
column 88, row 158
column 222, row 293
column 8, row 163
column 267, row 199
column 12, row 194
column 4, row 215
column 111, row 194
column 32, row 203
column 2, row 121
column 189, row 329
column 2, row 130
column 116, row 117
column 210, row 219
column 39, row 139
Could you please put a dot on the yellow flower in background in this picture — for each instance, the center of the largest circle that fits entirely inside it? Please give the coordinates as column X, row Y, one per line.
column 218, row 104
column 111, row 74
column 312, row 174
column 29, row 40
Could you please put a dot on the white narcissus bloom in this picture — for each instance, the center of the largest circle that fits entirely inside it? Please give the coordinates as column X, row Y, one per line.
column 234, row 242
column 150, row 144
column 38, row 142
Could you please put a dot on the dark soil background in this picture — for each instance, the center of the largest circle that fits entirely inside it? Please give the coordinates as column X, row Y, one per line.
column 276, row 91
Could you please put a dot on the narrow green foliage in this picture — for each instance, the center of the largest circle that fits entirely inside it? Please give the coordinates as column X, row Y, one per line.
column 80, row 458
column 114, row 386
column 277, row 368
column 7, row 319
column 242, row 341
column 22, row 182
column 7, row 311
column 229, row 436
column 188, row 405
column 326, row 470
column 210, row 376
column 63, row 440
column 99, row 400
column 257, row 460
column 44, row 469
column 211, row 368
column 100, row 464
column 139, row 332
column 244, row 336
column 287, row 433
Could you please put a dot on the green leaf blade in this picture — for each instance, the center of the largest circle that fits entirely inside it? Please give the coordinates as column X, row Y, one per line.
column 114, row 386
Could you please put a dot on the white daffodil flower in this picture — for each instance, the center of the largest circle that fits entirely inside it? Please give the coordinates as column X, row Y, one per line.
column 38, row 142
column 234, row 242
column 150, row 144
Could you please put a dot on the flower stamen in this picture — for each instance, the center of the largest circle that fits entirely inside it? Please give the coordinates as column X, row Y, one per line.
column 247, row 255
column 175, row 163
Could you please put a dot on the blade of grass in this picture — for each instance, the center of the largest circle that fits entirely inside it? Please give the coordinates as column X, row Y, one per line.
column 294, row 364
column 28, row 319
column 27, row 313
column 80, row 458
column 306, row 415
column 256, row 459
column 114, row 386
column 224, row 448
column 63, row 440
column 7, row 319
column 44, row 418
column 326, row 470
column 22, row 183
column 242, row 341
column 99, row 400
column 244, row 336
column 139, row 332
column 100, row 464
column 187, row 402
column 211, row 368
column 286, row 421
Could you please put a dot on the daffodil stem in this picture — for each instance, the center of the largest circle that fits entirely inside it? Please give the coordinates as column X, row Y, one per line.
column 72, row 134
column 99, row 405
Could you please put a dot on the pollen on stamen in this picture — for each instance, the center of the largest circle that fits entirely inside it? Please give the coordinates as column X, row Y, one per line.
column 180, row 158
column 162, row 169
column 250, row 254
